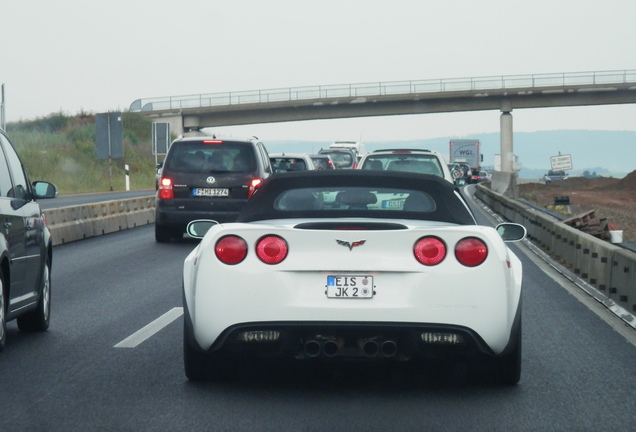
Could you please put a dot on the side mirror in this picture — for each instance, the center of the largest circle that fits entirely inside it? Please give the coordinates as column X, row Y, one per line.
column 511, row 232
column 199, row 228
column 43, row 189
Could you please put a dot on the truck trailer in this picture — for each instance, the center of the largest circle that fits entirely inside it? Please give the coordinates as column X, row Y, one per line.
column 466, row 151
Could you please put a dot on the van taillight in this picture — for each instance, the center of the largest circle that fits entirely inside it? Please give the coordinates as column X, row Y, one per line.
column 254, row 185
column 165, row 188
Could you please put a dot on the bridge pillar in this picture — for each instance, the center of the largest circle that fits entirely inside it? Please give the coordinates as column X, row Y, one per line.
column 175, row 122
column 505, row 124
column 191, row 123
column 505, row 181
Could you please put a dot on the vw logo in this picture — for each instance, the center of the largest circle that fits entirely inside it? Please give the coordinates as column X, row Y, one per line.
column 210, row 180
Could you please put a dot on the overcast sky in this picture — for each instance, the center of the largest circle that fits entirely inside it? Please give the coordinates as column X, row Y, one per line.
column 78, row 55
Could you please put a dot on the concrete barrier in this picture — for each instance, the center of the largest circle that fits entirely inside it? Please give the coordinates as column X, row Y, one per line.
column 608, row 268
column 592, row 260
column 69, row 224
column 622, row 288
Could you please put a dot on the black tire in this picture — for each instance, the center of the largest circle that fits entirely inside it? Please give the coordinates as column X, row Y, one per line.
column 39, row 318
column 502, row 370
column 508, row 367
column 202, row 366
column 3, row 313
column 162, row 235
column 195, row 363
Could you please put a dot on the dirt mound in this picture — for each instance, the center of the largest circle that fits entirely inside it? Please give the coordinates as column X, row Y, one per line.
column 578, row 183
column 610, row 198
column 628, row 183
column 574, row 183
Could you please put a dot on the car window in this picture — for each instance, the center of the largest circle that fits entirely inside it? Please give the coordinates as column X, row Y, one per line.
column 354, row 198
column 321, row 163
column 288, row 164
column 16, row 186
column 341, row 159
column 5, row 178
column 195, row 157
column 423, row 164
column 264, row 157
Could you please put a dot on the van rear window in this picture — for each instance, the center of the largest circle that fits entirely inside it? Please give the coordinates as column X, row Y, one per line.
column 199, row 157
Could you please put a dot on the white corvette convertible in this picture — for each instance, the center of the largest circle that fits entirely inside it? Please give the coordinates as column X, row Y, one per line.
column 353, row 265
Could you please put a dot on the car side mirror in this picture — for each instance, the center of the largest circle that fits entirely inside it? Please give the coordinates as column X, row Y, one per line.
column 199, row 228
column 511, row 232
column 43, row 189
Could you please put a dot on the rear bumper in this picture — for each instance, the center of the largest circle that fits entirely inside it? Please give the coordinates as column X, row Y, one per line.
column 351, row 340
column 363, row 340
column 174, row 219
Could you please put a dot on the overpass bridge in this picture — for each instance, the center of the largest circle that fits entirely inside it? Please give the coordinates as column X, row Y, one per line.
column 502, row 93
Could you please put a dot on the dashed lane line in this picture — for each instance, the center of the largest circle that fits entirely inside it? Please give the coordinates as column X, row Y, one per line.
column 148, row 331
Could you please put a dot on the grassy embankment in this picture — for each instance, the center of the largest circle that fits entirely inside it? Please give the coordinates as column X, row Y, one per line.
column 61, row 149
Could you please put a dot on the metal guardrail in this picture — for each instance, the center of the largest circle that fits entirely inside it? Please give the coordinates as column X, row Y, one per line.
column 605, row 270
column 385, row 88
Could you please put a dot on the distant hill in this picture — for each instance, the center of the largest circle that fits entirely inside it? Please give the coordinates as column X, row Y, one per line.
column 607, row 153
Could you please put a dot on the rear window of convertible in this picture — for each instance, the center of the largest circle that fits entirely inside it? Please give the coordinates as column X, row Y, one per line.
column 355, row 198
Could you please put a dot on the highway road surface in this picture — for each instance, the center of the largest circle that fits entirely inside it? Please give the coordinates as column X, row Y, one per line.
column 112, row 361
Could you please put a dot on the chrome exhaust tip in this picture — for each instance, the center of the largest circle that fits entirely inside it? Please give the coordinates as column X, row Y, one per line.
column 331, row 347
column 312, row 348
column 389, row 348
column 370, row 347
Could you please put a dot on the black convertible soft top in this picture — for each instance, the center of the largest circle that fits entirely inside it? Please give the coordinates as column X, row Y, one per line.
column 450, row 207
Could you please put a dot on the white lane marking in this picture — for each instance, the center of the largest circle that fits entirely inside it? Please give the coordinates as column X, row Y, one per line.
column 148, row 331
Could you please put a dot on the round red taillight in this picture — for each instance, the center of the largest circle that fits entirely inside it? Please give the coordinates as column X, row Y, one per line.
column 271, row 249
column 231, row 249
column 429, row 250
column 471, row 252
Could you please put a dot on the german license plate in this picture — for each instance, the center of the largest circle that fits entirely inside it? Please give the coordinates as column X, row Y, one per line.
column 211, row 192
column 350, row 286
column 397, row 204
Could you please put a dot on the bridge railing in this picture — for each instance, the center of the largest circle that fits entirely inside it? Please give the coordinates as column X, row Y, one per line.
column 384, row 88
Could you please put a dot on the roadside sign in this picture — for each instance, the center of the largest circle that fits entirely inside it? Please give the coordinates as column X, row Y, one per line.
column 160, row 138
column 561, row 162
column 109, row 135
